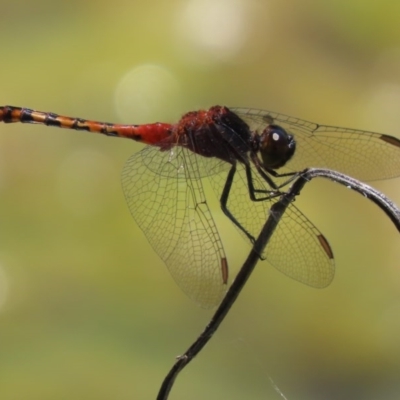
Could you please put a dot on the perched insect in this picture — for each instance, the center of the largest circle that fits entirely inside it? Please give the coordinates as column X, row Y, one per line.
column 249, row 156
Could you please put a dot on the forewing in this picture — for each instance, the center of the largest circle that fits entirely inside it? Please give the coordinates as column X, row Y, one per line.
column 168, row 203
column 361, row 154
column 297, row 248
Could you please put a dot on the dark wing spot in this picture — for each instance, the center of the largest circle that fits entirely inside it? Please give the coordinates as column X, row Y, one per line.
column 325, row 245
column 391, row 140
column 224, row 270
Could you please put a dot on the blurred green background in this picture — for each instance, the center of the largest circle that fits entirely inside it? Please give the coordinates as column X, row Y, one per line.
column 87, row 309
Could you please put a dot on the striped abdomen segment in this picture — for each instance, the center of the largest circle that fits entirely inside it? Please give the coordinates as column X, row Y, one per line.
column 148, row 133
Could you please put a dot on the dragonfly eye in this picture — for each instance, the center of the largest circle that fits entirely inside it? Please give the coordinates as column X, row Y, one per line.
column 276, row 146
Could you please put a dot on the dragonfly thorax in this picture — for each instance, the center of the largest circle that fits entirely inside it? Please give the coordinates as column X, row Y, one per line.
column 276, row 146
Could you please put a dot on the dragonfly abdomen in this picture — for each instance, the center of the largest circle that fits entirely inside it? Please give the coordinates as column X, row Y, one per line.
column 148, row 133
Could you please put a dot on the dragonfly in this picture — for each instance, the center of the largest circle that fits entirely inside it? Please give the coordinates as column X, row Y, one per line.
column 249, row 156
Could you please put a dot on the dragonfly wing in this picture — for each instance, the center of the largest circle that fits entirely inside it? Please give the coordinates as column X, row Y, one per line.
column 179, row 158
column 297, row 248
column 168, row 203
column 361, row 154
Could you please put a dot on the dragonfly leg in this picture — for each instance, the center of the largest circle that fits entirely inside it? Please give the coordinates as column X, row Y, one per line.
column 224, row 202
column 260, row 169
column 270, row 194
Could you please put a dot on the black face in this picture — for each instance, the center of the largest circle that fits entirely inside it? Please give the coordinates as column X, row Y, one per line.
column 276, row 147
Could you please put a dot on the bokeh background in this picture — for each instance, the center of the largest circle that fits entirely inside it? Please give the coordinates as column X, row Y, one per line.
column 87, row 309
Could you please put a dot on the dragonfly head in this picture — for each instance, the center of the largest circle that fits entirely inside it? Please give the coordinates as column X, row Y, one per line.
column 276, row 147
